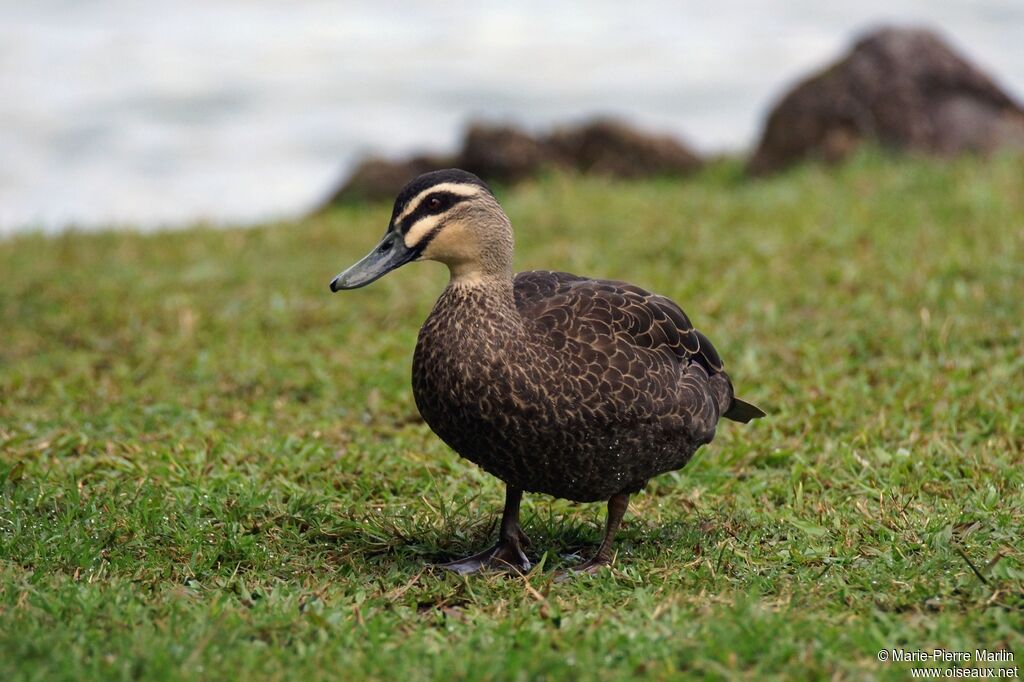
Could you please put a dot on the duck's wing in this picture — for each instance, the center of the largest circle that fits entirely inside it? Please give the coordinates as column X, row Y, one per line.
column 586, row 309
column 606, row 315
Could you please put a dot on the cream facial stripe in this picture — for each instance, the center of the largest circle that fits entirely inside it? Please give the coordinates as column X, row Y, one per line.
column 420, row 229
column 452, row 187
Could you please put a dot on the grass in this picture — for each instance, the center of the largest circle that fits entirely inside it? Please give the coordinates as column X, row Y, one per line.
column 210, row 467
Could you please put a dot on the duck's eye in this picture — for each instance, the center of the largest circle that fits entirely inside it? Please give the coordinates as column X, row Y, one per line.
column 433, row 203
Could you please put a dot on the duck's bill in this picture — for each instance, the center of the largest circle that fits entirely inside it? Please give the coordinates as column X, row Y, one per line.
column 390, row 254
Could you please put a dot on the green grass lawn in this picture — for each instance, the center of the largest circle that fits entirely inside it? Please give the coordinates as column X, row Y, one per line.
column 211, row 467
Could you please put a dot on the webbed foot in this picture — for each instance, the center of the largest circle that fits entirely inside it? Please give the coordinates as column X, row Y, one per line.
column 590, row 567
column 507, row 555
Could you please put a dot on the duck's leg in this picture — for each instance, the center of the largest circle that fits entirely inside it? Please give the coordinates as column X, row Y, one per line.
column 616, row 510
column 508, row 553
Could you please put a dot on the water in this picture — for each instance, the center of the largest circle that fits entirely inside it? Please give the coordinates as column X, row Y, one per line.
column 235, row 111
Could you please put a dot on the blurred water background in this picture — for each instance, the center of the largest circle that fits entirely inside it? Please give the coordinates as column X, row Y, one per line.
column 119, row 112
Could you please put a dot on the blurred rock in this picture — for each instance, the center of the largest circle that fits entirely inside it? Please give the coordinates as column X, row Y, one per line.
column 610, row 147
column 502, row 153
column 376, row 178
column 903, row 88
column 505, row 154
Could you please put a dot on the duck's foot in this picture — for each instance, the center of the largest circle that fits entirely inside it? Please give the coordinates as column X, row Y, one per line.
column 507, row 555
column 591, row 567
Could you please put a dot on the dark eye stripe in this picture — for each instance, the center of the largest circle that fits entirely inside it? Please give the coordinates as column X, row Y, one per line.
column 447, row 199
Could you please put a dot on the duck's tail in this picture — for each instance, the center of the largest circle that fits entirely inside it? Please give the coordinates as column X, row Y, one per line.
column 740, row 411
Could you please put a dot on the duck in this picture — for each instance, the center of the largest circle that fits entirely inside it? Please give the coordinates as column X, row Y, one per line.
column 577, row 388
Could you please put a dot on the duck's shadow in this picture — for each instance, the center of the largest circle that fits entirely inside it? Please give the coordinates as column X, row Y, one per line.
column 560, row 540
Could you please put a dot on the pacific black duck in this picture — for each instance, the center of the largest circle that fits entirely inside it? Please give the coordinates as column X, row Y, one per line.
column 578, row 388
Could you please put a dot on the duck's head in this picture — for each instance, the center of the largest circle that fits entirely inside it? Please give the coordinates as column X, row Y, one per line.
column 448, row 216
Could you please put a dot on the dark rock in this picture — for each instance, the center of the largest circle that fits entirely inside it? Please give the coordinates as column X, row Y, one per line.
column 376, row 178
column 506, row 154
column 903, row 88
column 502, row 153
column 613, row 148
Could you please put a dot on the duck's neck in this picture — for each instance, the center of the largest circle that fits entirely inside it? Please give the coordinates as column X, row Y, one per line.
column 473, row 274
column 493, row 288
column 484, row 301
